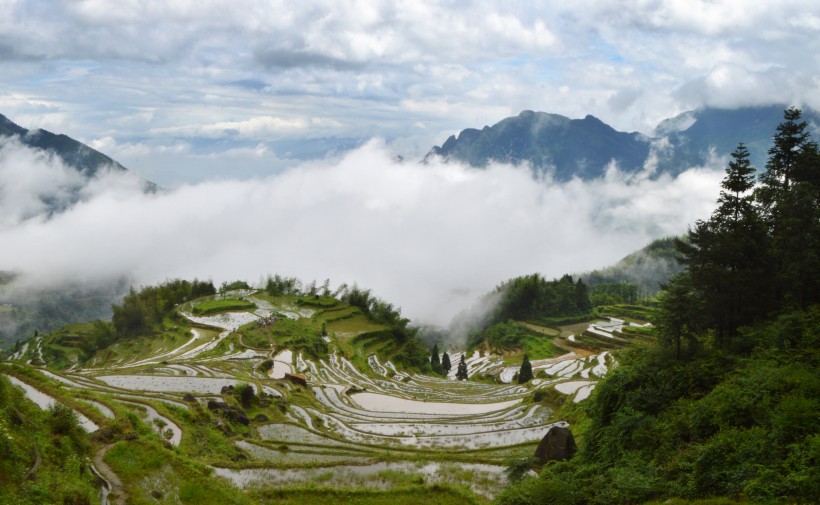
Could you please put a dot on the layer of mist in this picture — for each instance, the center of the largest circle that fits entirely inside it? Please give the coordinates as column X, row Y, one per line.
column 430, row 238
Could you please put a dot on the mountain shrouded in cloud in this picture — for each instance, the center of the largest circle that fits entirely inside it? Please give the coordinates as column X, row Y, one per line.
column 429, row 238
column 584, row 148
column 68, row 169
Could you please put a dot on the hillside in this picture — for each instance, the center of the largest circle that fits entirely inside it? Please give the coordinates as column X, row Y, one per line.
column 724, row 404
column 291, row 393
column 647, row 268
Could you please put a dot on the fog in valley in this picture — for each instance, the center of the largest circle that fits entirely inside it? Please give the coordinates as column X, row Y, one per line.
column 430, row 238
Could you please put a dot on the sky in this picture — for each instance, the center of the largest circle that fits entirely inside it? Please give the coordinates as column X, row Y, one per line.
column 278, row 131
column 193, row 90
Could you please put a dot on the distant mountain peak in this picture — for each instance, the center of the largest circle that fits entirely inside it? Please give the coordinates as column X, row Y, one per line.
column 86, row 160
column 548, row 142
column 584, row 148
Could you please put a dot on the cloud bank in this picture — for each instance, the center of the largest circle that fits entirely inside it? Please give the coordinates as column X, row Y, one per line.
column 171, row 83
column 429, row 238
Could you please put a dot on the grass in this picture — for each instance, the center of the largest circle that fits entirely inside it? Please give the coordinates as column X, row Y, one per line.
column 634, row 313
column 323, row 302
column 429, row 495
column 296, row 335
column 217, row 306
column 353, row 326
column 147, row 468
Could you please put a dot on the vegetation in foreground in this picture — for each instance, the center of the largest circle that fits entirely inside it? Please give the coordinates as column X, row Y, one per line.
column 728, row 406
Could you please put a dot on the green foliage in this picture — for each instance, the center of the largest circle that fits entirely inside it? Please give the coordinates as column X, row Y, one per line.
column 614, row 293
column 445, row 362
column 52, row 436
column 525, row 373
column 222, row 305
column 435, row 361
column 759, row 253
column 432, row 495
column 532, row 297
column 232, row 286
column 142, row 312
column 404, row 346
column 296, row 335
column 462, row 373
column 245, row 394
column 283, row 286
column 710, row 423
column 513, row 336
column 145, row 467
column 322, row 302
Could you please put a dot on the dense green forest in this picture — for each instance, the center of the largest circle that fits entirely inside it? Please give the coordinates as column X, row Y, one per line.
column 142, row 312
column 727, row 404
column 527, row 298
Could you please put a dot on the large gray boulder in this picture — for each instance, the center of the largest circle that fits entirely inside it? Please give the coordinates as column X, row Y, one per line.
column 557, row 445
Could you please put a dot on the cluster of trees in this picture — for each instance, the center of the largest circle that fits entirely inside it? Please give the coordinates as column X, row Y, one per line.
column 614, row 293
column 759, row 253
column 278, row 285
column 440, row 364
column 142, row 312
column 532, row 297
column 728, row 404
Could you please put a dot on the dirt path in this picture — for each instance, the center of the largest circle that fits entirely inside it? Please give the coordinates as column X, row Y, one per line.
column 116, row 492
column 38, row 460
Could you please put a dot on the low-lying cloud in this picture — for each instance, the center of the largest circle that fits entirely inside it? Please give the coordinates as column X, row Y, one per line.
column 429, row 238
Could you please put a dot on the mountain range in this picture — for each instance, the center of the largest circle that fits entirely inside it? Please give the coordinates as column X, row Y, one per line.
column 584, row 148
column 552, row 143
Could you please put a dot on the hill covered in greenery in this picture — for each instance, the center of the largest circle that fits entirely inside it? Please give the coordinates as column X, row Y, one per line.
column 727, row 404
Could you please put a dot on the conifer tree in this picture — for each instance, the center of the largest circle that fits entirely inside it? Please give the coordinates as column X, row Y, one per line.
column 726, row 255
column 790, row 199
column 525, row 373
column 462, row 374
column 445, row 362
column 435, row 361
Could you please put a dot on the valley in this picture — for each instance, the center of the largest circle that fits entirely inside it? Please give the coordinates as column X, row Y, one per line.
column 233, row 390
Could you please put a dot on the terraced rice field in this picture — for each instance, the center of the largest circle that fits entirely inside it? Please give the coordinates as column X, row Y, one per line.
column 349, row 426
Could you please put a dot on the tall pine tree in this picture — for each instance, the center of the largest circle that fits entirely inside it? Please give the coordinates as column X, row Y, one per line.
column 445, row 362
column 461, row 373
column 435, row 361
column 790, row 198
column 726, row 254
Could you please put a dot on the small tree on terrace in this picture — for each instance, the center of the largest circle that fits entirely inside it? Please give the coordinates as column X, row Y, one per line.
column 445, row 362
column 525, row 374
column 461, row 374
column 435, row 361
column 246, row 394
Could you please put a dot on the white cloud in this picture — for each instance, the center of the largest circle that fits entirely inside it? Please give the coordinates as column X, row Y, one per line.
column 243, row 71
column 430, row 238
column 30, row 182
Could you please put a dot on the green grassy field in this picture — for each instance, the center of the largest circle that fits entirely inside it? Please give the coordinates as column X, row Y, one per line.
column 216, row 306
